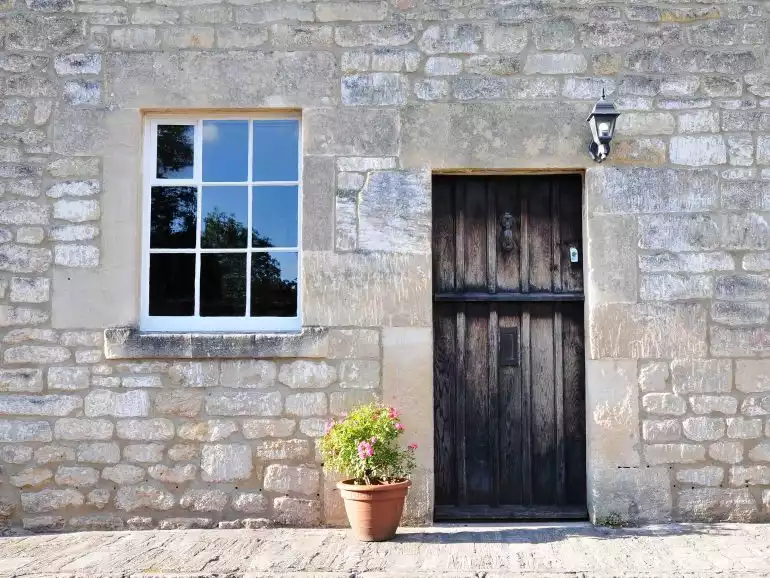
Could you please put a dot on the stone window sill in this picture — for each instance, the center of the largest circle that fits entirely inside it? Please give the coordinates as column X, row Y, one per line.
column 130, row 343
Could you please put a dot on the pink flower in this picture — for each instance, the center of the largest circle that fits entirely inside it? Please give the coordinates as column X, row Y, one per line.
column 392, row 413
column 329, row 426
column 412, row 446
column 374, row 440
column 399, row 427
column 365, row 450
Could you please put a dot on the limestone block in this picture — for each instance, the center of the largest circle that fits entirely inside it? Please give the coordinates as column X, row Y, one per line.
column 359, row 374
column 647, row 330
column 730, row 452
column 74, row 167
column 586, row 88
column 490, row 134
column 176, row 475
column 702, row 429
column 178, row 402
column 506, row 88
column 313, row 427
column 297, row 36
column 612, row 410
column 634, row 495
column 698, row 151
column 31, row 477
column 76, row 476
column 213, row 430
column 333, row 131
column 264, row 428
column 756, row 262
column 30, row 289
column 394, row 212
column 102, row 402
column 83, row 429
column 269, row 12
column 285, row 479
column 451, row 38
column 743, row 194
column 21, row 380
column 194, row 374
column 76, row 256
column 145, row 429
column 715, row 504
column 124, row 474
column 398, row 289
column 705, row 404
column 396, row 34
column 50, row 500
column 204, row 500
column 17, row 431
column 554, row 34
column 235, row 37
column 44, row 405
column 270, row 78
column 653, row 376
column 674, row 453
column 144, row 453
column 760, row 453
column 140, row 523
column 306, row 404
column 247, row 373
column 664, row 404
column 556, row 63
column 183, row 452
column 304, row 374
column 98, row 498
column 739, row 342
column 741, row 476
column 296, row 449
column 225, row 462
column 666, row 430
column 129, row 498
column 353, row 344
column 443, row 66
column 743, row 287
column 679, row 232
column 244, row 403
column 77, row 64
column 43, row 523
column 342, row 402
column 53, row 454
column 68, row 378
column 137, row 381
column 15, row 454
column 21, row 259
column 675, row 287
column 98, row 453
column 375, row 89
column 607, row 34
column 249, row 503
column 756, row 405
column 297, row 512
column 736, row 314
column 744, row 428
column 701, row 376
column 96, row 523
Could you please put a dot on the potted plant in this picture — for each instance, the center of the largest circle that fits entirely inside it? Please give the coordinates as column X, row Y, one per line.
column 364, row 447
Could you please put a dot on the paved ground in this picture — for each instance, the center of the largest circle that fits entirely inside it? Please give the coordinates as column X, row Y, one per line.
column 472, row 551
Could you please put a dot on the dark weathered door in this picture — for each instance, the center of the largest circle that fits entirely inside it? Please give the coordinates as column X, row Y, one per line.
column 508, row 334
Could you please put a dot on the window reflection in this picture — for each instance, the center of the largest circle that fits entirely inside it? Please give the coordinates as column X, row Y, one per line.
column 173, row 213
column 225, row 217
column 276, row 150
column 223, row 285
column 175, row 151
column 172, row 284
column 225, row 150
column 274, row 214
column 274, row 284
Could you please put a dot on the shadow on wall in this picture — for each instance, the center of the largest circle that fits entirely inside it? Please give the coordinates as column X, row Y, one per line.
column 538, row 534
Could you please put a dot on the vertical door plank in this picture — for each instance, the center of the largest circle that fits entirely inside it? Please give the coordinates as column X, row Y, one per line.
column 475, row 215
column 492, row 237
column 460, row 389
column 526, row 407
column 543, row 419
column 571, row 201
column 443, row 235
column 558, row 383
column 444, row 384
column 508, row 262
column 539, row 232
column 493, row 406
column 574, row 403
column 510, row 426
column 477, row 456
column 459, row 243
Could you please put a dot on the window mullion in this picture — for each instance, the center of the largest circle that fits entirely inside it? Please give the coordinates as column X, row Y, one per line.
column 249, row 218
column 198, row 172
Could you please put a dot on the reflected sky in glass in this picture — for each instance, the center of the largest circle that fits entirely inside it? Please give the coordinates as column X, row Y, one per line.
column 225, row 217
column 276, row 150
column 176, row 143
column 274, row 213
column 225, row 150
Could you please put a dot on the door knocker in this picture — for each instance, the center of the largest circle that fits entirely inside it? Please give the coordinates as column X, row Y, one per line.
column 506, row 236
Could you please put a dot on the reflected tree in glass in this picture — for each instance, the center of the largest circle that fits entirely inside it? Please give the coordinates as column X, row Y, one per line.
column 175, row 151
column 173, row 213
column 222, row 230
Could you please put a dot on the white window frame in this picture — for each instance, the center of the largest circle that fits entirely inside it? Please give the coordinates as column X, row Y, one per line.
column 196, row 323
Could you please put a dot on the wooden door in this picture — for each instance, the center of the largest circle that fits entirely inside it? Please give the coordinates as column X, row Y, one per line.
column 508, row 356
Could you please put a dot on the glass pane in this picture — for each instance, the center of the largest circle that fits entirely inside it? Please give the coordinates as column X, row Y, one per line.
column 274, row 284
column 274, row 214
column 276, row 150
column 223, row 285
column 172, row 284
column 225, row 217
column 176, row 143
column 225, row 150
column 173, row 217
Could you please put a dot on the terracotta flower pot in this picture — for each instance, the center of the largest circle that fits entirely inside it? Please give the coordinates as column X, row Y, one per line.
column 374, row 512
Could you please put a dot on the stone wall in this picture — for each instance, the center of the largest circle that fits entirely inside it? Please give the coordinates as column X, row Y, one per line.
column 112, row 429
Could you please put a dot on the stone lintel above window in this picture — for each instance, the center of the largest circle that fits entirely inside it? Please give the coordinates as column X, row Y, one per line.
column 130, row 343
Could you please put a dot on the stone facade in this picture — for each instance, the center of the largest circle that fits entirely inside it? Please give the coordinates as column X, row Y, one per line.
column 102, row 427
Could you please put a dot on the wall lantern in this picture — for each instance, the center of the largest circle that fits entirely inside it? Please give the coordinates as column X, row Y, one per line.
column 602, row 122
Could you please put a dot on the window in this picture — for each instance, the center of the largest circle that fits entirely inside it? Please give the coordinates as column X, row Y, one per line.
column 221, row 231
